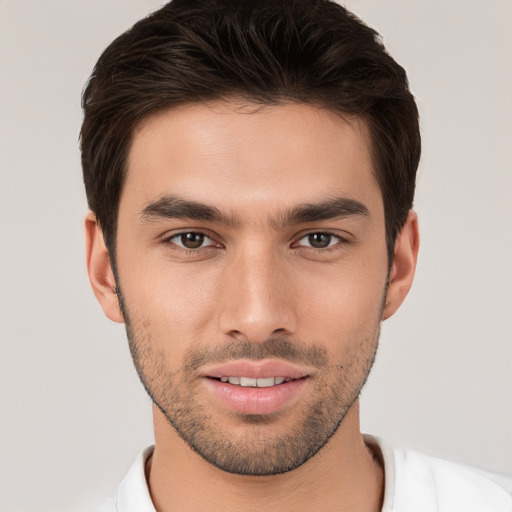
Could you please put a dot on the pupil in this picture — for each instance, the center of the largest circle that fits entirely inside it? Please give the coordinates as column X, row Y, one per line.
column 192, row 240
column 319, row 240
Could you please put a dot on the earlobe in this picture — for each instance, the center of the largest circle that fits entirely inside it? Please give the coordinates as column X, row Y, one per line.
column 100, row 270
column 402, row 270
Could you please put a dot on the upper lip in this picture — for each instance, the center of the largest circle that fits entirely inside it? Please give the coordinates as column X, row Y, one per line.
column 255, row 369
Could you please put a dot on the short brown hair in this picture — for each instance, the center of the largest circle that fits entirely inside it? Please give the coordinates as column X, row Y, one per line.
column 264, row 51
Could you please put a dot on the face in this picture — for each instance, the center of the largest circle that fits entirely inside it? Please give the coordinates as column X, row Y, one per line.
column 252, row 269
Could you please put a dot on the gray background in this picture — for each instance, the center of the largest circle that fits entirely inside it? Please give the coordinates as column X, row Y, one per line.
column 72, row 412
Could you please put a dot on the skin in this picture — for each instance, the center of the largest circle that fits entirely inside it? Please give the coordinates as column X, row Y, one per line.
column 254, row 285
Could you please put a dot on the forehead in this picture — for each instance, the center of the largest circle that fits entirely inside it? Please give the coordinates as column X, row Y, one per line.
column 243, row 157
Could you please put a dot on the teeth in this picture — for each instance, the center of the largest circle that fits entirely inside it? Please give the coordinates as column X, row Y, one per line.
column 265, row 383
column 246, row 382
column 255, row 383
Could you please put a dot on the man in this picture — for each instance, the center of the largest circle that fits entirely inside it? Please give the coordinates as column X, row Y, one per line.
column 250, row 169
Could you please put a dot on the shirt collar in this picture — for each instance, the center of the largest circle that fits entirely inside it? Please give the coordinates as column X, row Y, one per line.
column 133, row 493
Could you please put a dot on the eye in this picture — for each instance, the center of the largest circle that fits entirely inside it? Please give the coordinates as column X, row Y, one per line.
column 319, row 240
column 191, row 240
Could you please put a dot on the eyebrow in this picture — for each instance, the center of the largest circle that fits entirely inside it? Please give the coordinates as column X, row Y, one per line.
column 330, row 209
column 175, row 207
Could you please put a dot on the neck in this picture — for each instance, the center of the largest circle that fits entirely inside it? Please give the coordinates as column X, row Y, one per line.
column 343, row 476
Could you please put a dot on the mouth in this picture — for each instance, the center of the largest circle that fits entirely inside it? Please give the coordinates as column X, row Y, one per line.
column 256, row 387
column 249, row 382
column 253, row 373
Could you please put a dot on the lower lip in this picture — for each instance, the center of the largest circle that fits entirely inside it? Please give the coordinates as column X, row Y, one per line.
column 247, row 400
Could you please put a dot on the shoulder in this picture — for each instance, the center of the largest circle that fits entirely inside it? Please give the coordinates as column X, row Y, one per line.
column 424, row 483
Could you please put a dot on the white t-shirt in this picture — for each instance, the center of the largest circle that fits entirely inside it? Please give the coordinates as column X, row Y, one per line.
column 414, row 482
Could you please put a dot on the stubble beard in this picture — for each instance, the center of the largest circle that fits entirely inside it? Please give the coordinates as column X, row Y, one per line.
column 260, row 451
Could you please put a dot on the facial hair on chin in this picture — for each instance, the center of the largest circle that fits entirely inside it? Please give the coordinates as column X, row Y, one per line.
column 261, row 451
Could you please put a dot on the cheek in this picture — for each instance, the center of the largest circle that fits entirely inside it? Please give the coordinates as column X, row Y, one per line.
column 342, row 302
column 175, row 303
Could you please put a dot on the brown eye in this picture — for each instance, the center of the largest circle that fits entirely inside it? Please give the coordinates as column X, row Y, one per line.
column 319, row 240
column 191, row 240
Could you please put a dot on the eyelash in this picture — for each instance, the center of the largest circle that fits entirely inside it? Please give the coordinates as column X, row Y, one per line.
column 341, row 241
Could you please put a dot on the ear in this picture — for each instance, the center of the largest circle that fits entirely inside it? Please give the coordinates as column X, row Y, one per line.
column 404, row 264
column 100, row 270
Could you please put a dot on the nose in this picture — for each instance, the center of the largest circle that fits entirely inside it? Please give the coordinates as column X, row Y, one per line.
column 256, row 301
